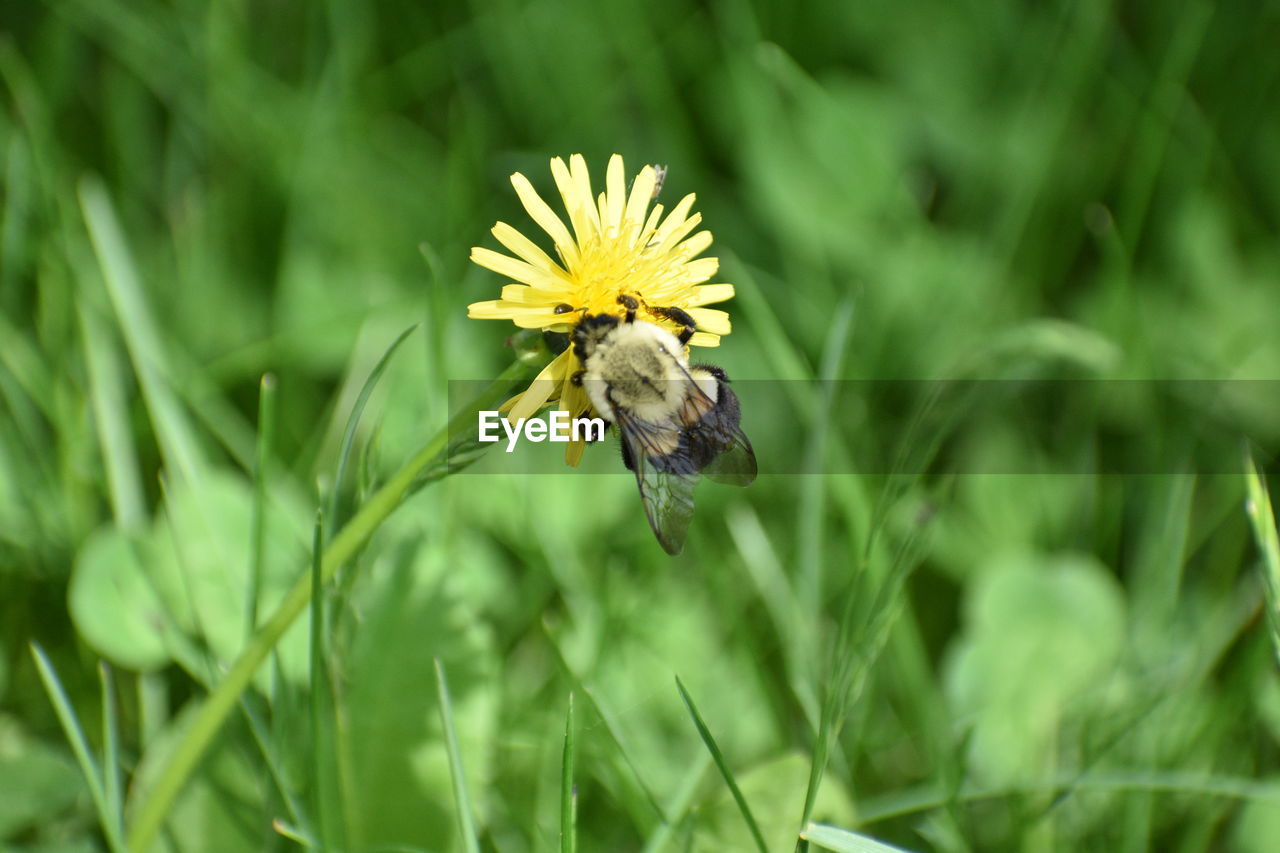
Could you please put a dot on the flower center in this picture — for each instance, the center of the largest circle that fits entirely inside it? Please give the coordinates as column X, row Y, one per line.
column 609, row 267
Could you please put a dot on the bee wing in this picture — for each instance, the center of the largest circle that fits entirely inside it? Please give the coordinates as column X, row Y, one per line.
column 667, row 493
column 736, row 464
column 716, row 436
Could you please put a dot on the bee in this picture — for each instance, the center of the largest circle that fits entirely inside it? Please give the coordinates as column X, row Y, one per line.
column 678, row 421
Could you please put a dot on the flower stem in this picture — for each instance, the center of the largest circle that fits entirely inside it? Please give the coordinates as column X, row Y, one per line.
column 208, row 721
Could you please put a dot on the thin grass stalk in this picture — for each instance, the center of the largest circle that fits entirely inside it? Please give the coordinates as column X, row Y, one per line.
column 209, row 719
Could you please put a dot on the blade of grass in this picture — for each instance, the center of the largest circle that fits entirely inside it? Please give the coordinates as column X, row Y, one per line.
column 207, row 722
column 153, row 707
column 1158, row 127
column 1264, row 531
column 439, row 311
column 323, row 775
column 844, row 841
column 723, row 765
column 811, row 507
column 110, row 745
column 353, row 421
column 177, row 439
column 610, row 720
column 80, row 747
column 298, row 836
column 266, row 438
column 797, row 638
column 347, row 579
column 110, row 415
column 863, row 632
column 1191, row 784
column 262, row 740
column 811, row 516
column 568, row 796
column 461, row 799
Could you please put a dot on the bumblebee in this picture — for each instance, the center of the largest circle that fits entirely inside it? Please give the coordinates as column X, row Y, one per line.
column 678, row 421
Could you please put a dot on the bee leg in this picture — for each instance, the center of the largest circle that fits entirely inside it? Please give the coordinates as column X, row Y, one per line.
column 678, row 315
column 576, row 378
column 631, row 304
column 607, row 424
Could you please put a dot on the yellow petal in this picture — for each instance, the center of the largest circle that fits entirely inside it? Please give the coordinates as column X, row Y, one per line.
column 711, row 320
column 582, row 188
column 706, row 294
column 523, row 294
column 704, row 339
column 508, row 266
column 641, row 196
column 524, row 316
column 576, row 197
column 672, row 237
column 536, row 318
column 490, row 309
column 573, row 452
column 574, row 400
column 615, row 185
column 675, row 219
column 525, row 249
column 545, row 217
column 695, row 245
column 541, row 388
column 698, row 271
column 650, row 225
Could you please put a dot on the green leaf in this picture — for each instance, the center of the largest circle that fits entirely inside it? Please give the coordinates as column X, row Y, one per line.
column 203, row 564
column 774, row 788
column 37, row 782
column 208, row 815
column 1041, row 634
column 113, row 603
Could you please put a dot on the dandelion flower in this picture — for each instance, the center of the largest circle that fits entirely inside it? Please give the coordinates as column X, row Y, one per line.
column 618, row 246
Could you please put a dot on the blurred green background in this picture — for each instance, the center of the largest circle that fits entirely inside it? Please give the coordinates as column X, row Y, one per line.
column 198, row 194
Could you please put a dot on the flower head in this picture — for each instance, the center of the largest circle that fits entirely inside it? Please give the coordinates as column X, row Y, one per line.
column 618, row 246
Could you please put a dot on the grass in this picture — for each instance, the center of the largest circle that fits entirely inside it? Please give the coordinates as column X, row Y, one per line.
column 1005, row 607
column 462, row 799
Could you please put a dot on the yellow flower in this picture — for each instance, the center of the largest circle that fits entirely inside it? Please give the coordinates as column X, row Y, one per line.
column 618, row 246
